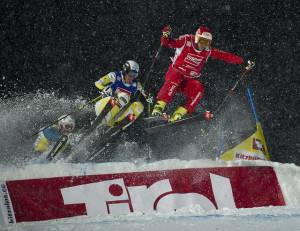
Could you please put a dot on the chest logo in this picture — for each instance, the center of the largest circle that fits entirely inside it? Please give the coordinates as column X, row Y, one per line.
column 194, row 60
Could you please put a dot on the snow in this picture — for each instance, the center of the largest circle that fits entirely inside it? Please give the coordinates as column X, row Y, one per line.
column 193, row 218
column 68, row 169
column 267, row 219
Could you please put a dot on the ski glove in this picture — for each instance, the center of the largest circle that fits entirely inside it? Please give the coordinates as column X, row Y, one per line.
column 99, row 85
column 107, row 91
column 166, row 32
column 208, row 115
column 149, row 99
column 250, row 65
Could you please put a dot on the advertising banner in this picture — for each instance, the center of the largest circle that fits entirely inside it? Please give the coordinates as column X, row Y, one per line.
column 253, row 148
column 123, row 193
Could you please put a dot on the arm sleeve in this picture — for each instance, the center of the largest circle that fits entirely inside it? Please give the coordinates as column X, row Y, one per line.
column 52, row 134
column 141, row 89
column 173, row 43
column 105, row 80
column 226, row 56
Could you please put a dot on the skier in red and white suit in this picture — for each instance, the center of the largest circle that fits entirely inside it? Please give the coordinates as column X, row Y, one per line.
column 192, row 52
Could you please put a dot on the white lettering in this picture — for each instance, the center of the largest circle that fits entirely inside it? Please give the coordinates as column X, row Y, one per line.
column 143, row 198
column 193, row 59
column 7, row 215
column 171, row 90
column 196, row 98
column 222, row 191
column 112, row 197
column 176, row 200
column 97, row 196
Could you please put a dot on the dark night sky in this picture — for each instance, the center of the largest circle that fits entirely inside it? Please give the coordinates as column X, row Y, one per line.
column 65, row 46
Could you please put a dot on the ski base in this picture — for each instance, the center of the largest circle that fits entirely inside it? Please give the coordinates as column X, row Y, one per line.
column 107, row 136
column 165, row 124
column 57, row 148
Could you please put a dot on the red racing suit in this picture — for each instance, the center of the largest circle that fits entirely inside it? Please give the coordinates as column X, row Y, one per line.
column 186, row 68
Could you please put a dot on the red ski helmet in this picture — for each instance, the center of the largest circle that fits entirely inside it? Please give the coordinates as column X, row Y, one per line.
column 203, row 32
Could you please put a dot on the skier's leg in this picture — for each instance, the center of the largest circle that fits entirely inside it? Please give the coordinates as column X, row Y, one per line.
column 165, row 95
column 110, row 116
column 121, row 122
column 194, row 91
column 119, row 103
column 132, row 112
column 41, row 144
column 115, row 103
column 101, row 104
column 178, row 114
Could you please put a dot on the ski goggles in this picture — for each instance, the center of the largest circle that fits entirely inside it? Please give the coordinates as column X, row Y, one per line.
column 67, row 127
column 133, row 74
column 204, row 42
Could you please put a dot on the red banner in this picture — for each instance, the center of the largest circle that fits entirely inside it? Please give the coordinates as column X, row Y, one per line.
column 94, row 195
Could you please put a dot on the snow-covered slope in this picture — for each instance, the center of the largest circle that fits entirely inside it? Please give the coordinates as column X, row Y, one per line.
column 21, row 116
column 266, row 219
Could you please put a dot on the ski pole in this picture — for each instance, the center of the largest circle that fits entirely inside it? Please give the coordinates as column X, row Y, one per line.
column 77, row 110
column 153, row 62
column 243, row 74
column 149, row 72
column 152, row 65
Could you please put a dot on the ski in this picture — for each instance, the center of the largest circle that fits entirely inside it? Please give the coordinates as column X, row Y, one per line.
column 165, row 124
column 96, row 122
column 96, row 153
column 108, row 135
column 151, row 119
column 57, row 147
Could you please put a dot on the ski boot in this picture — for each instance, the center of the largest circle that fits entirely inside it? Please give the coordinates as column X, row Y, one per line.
column 208, row 115
column 158, row 108
column 178, row 114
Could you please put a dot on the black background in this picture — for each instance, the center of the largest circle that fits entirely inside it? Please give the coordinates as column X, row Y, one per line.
column 64, row 46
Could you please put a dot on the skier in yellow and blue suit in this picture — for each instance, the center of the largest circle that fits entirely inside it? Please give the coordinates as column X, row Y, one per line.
column 55, row 138
column 123, row 86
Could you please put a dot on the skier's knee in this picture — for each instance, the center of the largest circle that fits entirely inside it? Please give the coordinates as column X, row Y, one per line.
column 198, row 87
column 123, row 99
column 101, row 104
column 41, row 145
column 137, row 108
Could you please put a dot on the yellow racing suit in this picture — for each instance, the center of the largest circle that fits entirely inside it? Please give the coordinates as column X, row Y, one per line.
column 122, row 93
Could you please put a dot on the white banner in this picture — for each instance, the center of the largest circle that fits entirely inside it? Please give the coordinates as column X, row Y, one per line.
column 7, row 215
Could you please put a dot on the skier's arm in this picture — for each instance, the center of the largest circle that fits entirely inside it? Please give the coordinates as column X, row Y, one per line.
column 105, row 80
column 148, row 97
column 226, row 56
column 167, row 41
column 173, row 43
column 141, row 89
column 52, row 134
